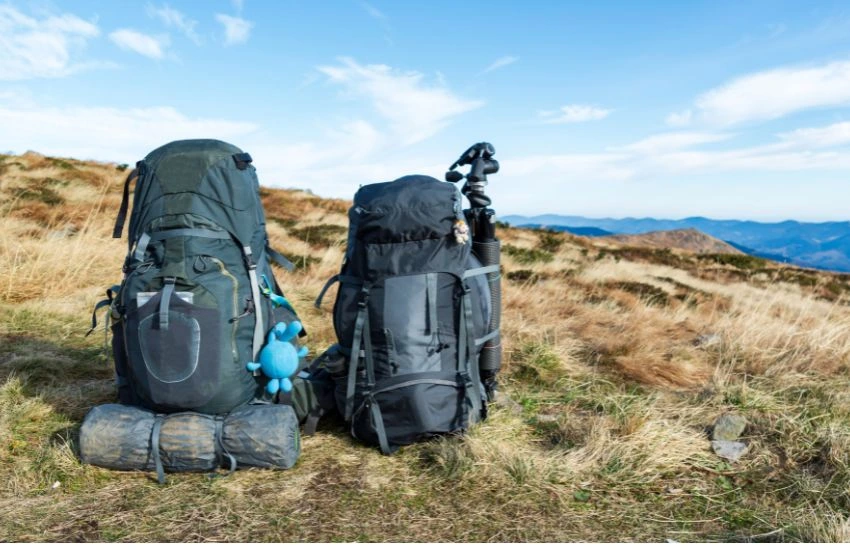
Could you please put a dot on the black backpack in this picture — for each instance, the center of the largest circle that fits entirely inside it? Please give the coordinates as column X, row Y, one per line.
column 411, row 315
column 194, row 305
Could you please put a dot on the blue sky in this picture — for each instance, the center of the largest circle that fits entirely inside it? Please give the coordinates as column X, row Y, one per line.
column 666, row 109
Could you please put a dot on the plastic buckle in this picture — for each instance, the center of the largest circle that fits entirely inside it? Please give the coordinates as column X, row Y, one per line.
column 363, row 299
column 466, row 379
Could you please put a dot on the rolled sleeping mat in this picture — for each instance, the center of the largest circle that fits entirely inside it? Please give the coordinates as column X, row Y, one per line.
column 121, row 437
column 489, row 253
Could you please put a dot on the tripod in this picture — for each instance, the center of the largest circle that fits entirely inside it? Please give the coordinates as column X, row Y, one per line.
column 485, row 245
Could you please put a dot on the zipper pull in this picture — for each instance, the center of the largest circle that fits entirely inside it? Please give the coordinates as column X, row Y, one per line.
column 249, row 310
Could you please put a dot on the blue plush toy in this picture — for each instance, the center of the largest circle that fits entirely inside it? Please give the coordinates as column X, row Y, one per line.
column 279, row 358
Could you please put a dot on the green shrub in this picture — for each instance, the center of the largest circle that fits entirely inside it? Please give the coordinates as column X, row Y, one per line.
column 284, row 222
column 536, row 362
column 40, row 194
column 741, row 261
column 550, row 241
column 526, row 256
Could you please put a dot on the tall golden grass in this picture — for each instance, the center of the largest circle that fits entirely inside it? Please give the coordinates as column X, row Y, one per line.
column 615, row 367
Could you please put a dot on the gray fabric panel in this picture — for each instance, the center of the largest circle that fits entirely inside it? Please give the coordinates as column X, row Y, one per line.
column 412, row 413
column 404, row 307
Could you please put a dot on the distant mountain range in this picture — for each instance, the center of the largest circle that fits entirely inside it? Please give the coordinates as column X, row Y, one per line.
column 819, row 245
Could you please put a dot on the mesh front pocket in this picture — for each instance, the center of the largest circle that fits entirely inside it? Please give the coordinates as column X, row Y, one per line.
column 170, row 356
column 175, row 366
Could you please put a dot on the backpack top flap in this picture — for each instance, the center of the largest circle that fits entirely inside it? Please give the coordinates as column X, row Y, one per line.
column 205, row 177
column 404, row 227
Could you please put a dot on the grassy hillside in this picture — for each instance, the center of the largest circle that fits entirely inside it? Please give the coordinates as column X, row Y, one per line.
column 617, row 362
column 679, row 239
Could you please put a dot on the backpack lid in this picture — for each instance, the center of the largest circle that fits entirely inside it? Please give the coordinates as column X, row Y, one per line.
column 205, row 177
column 405, row 226
column 411, row 208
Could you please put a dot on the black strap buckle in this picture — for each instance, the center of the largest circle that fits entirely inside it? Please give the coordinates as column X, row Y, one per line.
column 363, row 299
column 466, row 379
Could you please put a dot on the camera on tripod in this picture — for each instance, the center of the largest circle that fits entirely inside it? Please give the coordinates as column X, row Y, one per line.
column 480, row 156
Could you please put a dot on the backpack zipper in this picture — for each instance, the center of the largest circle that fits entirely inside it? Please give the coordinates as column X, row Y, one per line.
column 235, row 319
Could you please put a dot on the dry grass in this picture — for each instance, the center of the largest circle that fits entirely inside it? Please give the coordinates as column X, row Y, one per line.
column 617, row 362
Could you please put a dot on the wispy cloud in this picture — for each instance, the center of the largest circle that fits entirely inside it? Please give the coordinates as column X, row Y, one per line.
column 414, row 109
column 142, row 44
column 673, row 141
column 41, row 47
column 373, row 12
column 175, row 19
column 775, row 93
column 499, row 63
column 236, row 29
column 105, row 133
column 817, row 138
column 680, row 119
column 569, row 114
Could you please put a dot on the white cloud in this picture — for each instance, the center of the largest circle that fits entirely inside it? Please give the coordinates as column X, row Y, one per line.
column 236, row 29
column 41, row 48
column 501, row 62
column 574, row 113
column 104, row 133
column 673, row 141
column 680, row 119
column 818, row 138
column 175, row 19
column 148, row 46
column 333, row 164
column 414, row 110
column 775, row 93
column 587, row 167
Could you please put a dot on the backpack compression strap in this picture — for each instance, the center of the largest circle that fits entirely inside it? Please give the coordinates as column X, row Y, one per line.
column 259, row 330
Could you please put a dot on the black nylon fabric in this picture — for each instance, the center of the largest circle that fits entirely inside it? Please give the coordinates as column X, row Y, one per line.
column 402, row 247
column 404, row 227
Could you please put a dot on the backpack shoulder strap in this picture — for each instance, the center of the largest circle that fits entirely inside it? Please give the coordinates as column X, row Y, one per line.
column 125, row 203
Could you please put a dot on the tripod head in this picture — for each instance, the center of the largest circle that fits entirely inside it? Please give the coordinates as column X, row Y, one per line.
column 480, row 156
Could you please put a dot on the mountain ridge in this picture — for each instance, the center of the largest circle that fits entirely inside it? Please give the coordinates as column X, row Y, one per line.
column 820, row 245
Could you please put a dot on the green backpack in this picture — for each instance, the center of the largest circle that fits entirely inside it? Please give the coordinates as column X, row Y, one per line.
column 194, row 305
